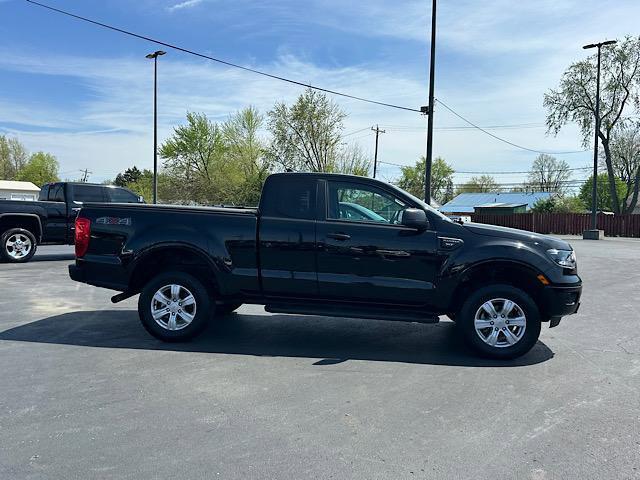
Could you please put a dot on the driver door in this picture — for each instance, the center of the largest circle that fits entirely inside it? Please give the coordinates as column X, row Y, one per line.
column 365, row 254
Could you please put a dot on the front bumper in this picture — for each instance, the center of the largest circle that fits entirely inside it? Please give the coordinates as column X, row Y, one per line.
column 560, row 301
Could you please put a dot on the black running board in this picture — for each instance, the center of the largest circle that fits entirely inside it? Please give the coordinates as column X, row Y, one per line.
column 381, row 313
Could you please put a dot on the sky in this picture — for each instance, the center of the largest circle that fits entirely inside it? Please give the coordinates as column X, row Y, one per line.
column 85, row 94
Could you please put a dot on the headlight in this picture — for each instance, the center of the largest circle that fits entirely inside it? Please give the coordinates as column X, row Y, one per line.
column 564, row 258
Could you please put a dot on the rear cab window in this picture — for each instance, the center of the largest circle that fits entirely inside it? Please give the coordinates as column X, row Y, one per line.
column 89, row 194
column 56, row 192
column 287, row 198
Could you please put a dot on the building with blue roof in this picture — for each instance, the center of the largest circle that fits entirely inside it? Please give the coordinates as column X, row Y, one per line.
column 465, row 203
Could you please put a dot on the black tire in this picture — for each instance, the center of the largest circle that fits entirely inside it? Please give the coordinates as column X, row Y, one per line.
column 467, row 315
column 227, row 308
column 8, row 250
column 186, row 331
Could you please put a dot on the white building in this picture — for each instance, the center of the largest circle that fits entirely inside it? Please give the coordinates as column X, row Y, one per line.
column 12, row 190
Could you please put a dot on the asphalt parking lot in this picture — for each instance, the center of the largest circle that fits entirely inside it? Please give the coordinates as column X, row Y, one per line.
column 86, row 393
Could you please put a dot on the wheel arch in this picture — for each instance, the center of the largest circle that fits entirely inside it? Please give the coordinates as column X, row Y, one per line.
column 26, row 221
column 173, row 256
column 509, row 272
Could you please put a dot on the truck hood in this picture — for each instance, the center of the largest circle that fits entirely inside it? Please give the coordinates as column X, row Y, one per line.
column 515, row 234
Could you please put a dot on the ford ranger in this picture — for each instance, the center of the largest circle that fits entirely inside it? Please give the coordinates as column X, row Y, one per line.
column 328, row 244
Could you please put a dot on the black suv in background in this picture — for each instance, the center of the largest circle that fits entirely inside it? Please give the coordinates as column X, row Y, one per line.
column 50, row 220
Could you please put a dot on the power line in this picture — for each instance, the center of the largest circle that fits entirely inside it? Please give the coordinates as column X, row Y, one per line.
column 218, row 60
column 356, row 131
column 517, row 126
column 524, row 171
column 497, row 137
column 495, row 172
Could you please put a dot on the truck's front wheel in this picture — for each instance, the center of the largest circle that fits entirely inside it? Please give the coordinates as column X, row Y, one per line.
column 18, row 245
column 500, row 321
column 174, row 307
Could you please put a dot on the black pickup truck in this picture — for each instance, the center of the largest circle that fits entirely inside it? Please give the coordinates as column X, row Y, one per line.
column 326, row 244
column 50, row 220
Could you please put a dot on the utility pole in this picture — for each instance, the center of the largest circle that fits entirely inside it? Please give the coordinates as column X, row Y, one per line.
column 155, row 56
column 432, row 69
column 594, row 234
column 375, row 155
column 85, row 175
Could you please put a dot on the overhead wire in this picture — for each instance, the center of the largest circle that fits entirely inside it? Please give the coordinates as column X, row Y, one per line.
column 500, row 138
column 219, row 60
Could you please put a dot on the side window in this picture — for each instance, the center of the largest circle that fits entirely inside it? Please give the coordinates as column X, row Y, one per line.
column 291, row 199
column 363, row 203
column 44, row 193
column 120, row 195
column 89, row 193
column 56, row 192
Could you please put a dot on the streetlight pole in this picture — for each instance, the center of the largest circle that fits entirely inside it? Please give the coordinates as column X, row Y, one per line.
column 594, row 234
column 155, row 56
column 432, row 68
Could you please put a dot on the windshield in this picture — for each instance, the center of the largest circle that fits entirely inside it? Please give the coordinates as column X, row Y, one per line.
column 424, row 205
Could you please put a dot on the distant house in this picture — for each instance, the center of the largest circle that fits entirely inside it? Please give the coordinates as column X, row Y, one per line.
column 12, row 190
column 492, row 203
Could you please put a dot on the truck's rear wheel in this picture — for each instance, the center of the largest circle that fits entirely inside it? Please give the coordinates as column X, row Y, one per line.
column 500, row 321
column 174, row 307
column 18, row 245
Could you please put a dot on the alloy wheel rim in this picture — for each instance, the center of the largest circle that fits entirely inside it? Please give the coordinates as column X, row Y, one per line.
column 18, row 246
column 500, row 322
column 173, row 307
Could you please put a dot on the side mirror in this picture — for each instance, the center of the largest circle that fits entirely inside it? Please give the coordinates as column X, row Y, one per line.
column 414, row 218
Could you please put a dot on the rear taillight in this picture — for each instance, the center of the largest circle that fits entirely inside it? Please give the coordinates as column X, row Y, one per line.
column 83, row 233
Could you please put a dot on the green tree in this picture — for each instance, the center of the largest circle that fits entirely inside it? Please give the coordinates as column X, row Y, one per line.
column 412, row 179
column 193, row 157
column 40, row 169
column 605, row 202
column 548, row 174
column 130, row 175
column 13, row 157
column 566, row 204
column 307, row 134
column 574, row 100
column 246, row 152
column 143, row 185
column 208, row 163
column 481, row 184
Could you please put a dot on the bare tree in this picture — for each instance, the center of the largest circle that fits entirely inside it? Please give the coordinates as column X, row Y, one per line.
column 575, row 99
column 548, row 174
column 625, row 158
column 351, row 160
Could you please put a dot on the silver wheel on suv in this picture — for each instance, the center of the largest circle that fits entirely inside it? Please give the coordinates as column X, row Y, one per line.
column 173, row 307
column 500, row 322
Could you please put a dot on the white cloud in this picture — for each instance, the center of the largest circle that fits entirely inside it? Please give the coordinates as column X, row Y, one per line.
column 516, row 51
column 183, row 5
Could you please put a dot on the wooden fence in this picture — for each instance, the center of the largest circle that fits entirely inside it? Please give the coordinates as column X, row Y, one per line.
column 565, row 223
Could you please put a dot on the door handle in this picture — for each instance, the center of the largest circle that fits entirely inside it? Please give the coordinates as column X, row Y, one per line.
column 339, row 236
